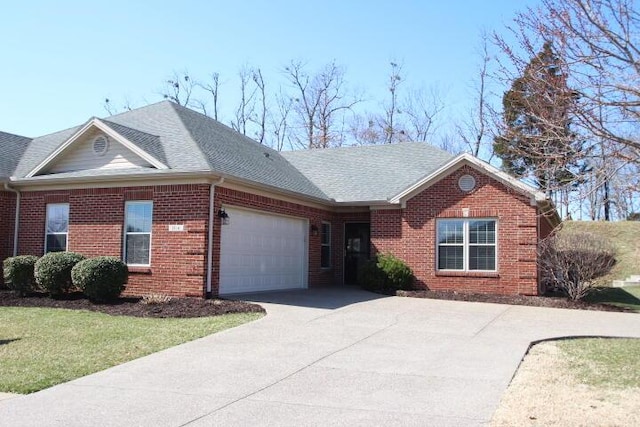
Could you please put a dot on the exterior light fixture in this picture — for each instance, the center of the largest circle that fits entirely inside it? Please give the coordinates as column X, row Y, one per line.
column 224, row 217
column 314, row 230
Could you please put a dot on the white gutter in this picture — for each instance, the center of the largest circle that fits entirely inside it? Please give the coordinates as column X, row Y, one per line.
column 16, row 225
column 212, row 217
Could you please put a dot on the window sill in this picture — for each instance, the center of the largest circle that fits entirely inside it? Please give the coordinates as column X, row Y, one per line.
column 467, row 273
column 139, row 270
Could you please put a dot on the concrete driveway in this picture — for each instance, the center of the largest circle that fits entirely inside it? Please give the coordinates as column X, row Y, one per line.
column 323, row 357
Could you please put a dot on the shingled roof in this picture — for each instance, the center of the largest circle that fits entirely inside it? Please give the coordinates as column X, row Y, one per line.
column 12, row 148
column 368, row 173
column 187, row 141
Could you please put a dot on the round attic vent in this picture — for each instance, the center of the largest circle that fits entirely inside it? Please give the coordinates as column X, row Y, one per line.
column 467, row 183
column 100, row 145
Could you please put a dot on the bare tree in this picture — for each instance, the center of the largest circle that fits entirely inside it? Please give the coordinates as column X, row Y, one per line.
column 260, row 116
column 408, row 117
column 420, row 108
column 477, row 130
column 600, row 44
column 211, row 87
column 305, row 103
column 112, row 109
column 365, row 130
column 279, row 119
column 448, row 141
column 392, row 108
column 245, row 110
column 179, row 88
column 319, row 102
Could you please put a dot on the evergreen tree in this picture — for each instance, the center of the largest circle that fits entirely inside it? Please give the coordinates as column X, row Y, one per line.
column 537, row 141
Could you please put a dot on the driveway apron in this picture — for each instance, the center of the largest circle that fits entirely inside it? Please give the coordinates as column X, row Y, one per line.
column 333, row 356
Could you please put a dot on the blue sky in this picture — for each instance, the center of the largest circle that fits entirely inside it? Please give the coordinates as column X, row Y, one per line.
column 61, row 59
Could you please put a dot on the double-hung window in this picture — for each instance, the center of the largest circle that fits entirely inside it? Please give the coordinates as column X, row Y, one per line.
column 467, row 244
column 57, row 227
column 137, row 232
column 325, row 245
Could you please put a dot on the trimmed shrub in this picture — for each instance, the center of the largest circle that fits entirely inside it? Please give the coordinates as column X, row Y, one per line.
column 53, row 271
column 101, row 279
column 385, row 273
column 18, row 273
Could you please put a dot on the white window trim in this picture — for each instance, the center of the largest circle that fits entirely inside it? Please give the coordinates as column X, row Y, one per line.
column 46, row 226
column 325, row 244
column 465, row 245
column 125, row 233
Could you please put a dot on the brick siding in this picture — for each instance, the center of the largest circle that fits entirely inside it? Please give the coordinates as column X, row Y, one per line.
column 96, row 220
column 410, row 234
column 178, row 259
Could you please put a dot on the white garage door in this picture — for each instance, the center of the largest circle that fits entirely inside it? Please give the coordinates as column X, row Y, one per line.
column 261, row 252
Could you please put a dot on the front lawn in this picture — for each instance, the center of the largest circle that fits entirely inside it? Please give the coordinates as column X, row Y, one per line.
column 41, row 347
column 575, row 382
column 604, row 362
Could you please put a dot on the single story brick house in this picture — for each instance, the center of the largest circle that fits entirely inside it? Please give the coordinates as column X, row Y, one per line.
column 195, row 208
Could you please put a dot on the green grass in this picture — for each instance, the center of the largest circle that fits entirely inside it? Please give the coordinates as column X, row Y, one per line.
column 628, row 297
column 604, row 362
column 41, row 347
column 623, row 234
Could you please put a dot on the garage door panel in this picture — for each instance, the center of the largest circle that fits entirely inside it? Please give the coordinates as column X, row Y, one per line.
column 262, row 252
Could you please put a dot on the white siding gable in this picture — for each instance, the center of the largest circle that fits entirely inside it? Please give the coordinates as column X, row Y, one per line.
column 82, row 157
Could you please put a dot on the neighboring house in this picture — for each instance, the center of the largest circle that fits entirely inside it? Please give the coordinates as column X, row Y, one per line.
column 194, row 208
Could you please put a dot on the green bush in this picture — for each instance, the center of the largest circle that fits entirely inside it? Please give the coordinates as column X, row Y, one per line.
column 101, row 279
column 385, row 273
column 370, row 277
column 53, row 271
column 18, row 273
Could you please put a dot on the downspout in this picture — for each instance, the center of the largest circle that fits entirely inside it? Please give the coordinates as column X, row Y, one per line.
column 16, row 224
column 212, row 217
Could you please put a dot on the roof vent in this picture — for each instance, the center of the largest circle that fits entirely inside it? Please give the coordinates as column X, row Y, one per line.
column 100, row 145
column 467, row 183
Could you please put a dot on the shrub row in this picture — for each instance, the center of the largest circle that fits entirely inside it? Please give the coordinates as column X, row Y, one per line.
column 385, row 273
column 18, row 273
column 100, row 279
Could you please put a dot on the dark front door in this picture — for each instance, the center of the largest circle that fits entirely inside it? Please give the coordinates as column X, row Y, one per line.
column 357, row 245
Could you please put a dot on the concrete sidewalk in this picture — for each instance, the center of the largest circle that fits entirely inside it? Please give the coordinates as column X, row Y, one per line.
column 323, row 357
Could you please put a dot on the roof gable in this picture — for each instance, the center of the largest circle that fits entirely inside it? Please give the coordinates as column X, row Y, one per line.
column 477, row 164
column 82, row 157
column 72, row 154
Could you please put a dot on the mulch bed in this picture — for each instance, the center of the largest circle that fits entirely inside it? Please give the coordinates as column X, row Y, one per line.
column 546, row 301
column 198, row 307
column 176, row 307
